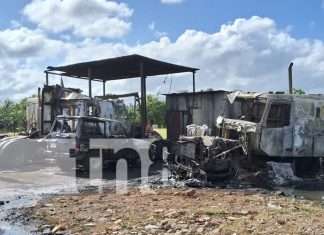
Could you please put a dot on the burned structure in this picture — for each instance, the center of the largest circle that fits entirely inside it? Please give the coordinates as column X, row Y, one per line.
column 200, row 108
column 276, row 127
column 57, row 100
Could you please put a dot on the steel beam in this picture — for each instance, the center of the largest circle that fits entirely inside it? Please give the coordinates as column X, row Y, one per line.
column 103, row 88
column 193, row 82
column 90, row 85
column 143, row 98
column 46, row 78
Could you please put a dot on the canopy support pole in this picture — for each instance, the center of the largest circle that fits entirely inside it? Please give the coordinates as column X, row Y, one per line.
column 90, row 85
column 46, row 78
column 104, row 88
column 193, row 82
column 143, row 98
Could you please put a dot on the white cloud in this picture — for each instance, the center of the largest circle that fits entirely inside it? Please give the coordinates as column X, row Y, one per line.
column 247, row 54
column 157, row 34
column 172, row 1
column 22, row 55
column 85, row 18
column 26, row 43
column 151, row 26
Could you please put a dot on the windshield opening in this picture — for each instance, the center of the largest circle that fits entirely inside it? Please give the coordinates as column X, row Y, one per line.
column 65, row 125
column 248, row 110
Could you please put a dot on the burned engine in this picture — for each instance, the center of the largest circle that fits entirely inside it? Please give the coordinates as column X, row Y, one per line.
column 204, row 157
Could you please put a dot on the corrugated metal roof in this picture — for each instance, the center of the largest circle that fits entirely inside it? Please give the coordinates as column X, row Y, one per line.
column 119, row 68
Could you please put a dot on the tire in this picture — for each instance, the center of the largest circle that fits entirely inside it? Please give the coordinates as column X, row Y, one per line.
column 156, row 149
column 130, row 155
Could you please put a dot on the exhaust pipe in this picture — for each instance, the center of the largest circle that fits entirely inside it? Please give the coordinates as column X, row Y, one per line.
column 290, row 91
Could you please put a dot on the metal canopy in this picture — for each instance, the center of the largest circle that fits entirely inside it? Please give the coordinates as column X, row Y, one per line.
column 123, row 67
column 119, row 68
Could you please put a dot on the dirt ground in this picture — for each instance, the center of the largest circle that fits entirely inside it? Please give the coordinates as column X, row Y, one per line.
column 178, row 211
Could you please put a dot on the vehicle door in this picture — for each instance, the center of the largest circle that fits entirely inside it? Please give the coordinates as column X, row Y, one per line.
column 277, row 134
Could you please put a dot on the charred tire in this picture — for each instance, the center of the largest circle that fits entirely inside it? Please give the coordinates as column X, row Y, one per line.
column 130, row 155
column 156, row 149
column 153, row 153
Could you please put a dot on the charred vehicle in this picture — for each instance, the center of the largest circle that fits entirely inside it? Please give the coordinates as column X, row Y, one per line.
column 57, row 100
column 267, row 127
column 70, row 138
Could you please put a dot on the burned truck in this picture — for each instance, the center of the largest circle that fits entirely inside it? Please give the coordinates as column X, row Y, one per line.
column 58, row 100
column 266, row 127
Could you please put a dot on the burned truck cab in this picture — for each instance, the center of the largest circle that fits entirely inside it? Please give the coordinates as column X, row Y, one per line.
column 282, row 126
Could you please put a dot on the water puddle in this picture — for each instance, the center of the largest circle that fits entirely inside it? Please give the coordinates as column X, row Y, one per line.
column 7, row 229
column 313, row 191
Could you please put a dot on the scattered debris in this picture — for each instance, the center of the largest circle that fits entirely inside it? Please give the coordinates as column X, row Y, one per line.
column 272, row 206
column 56, row 229
column 215, row 211
column 283, row 173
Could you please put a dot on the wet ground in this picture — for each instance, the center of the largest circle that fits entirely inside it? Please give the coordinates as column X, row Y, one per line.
column 23, row 187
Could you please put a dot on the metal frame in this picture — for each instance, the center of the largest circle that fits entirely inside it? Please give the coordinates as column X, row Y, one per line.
column 142, row 76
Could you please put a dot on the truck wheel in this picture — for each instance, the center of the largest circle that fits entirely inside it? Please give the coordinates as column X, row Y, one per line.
column 156, row 149
column 130, row 155
column 155, row 152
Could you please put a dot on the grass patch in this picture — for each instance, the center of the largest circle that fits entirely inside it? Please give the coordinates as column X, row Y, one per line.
column 162, row 132
column 217, row 213
column 308, row 209
column 125, row 226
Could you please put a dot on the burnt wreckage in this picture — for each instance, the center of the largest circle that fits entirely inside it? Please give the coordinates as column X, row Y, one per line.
column 254, row 127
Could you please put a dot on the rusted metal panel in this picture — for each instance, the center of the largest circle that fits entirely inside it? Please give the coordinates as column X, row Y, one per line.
column 200, row 108
column 174, row 125
column 318, row 146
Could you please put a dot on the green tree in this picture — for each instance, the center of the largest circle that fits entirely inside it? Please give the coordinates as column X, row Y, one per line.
column 156, row 110
column 13, row 115
column 298, row 92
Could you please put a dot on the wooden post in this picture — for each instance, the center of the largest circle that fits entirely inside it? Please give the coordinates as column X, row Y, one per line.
column 90, row 85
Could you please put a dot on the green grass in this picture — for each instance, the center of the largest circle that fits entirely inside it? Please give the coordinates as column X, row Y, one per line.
column 217, row 213
column 162, row 132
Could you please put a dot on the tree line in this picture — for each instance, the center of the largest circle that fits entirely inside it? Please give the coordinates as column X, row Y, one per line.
column 13, row 115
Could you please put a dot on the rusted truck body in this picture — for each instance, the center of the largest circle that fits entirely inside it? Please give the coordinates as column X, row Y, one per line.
column 276, row 125
column 253, row 127
column 57, row 100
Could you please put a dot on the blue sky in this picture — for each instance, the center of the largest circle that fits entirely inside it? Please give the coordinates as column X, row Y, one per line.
column 244, row 44
column 305, row 17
